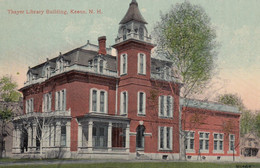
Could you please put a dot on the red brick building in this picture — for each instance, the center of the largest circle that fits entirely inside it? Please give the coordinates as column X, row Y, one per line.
column 100, row 105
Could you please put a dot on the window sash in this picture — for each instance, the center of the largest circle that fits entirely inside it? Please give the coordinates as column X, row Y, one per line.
column 95, row 65
column 124, row 103
column 63, row 135
column 98, row 101
column 101, row 66
column 141, row 63
column 123, row 64
column 231, row 142
column 218, row 141
column 189, row 140
column 165, row 138
column 165, row 106
column 102, row 101
column 94, row 100
column 204, row 141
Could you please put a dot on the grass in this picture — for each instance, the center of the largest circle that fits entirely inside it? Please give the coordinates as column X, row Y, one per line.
column 142, row 165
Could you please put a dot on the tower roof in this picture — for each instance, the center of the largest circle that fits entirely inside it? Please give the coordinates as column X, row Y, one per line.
column 133, row 13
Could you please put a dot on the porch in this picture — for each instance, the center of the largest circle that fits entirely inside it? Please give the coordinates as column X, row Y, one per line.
column 103, row 134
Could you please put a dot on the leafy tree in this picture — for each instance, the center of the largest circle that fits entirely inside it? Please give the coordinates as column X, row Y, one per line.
column 257, row 124
column 231, row 99
column 8, row 94
column 247, row 120
column 185, row 35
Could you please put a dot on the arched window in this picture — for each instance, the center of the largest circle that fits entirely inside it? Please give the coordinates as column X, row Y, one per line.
column 140, row 136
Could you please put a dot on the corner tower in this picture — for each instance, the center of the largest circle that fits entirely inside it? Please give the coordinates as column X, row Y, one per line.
column 133, row 44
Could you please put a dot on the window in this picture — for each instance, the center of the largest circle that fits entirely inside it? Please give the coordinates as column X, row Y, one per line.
column 98, row 101
column 29, row 76
column 218, row 142
column 231, row 142
column 118, row 135
column 50, row 133
column 141, row 103
column 48, row 72
column 141, row 63
column 102, row 101
column 165, row 106
column 165, row 138
column 99, row 133
column 29, row 105
column 95, row 65
column 204, row 141
column 123, row 103
column 63, row 136
column 60, row 65
column 189, row 142
column 123, row 64
column 60, row 100
column 140, row 136
column 101, row 66
column 141, row 33
column 47, row 102
column 124, row 34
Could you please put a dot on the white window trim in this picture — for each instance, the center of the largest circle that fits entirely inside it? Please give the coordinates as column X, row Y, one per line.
column 204, row 142
column 164, row 115
column 47, row 99
column 122, row 103
column 164, row 138
column 121, row 64
column 144, row 103
column 29, row 105
column 229, row 144
column 98, row 101
column 188, row 150
column 62, row 107
column 218, row 143
column 144, row 66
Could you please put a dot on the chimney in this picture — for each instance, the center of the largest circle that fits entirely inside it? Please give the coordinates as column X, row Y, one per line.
column 102, row 45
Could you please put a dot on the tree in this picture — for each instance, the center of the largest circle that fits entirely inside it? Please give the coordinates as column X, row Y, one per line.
column 8, row 90
column 257, row 124
column 8, row 94
column 247, row 121
column 231, row 99
column 38, row 123
column 184, row 35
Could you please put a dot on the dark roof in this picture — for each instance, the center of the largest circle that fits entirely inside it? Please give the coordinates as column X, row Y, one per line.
column 133, row 13
column 77, row 56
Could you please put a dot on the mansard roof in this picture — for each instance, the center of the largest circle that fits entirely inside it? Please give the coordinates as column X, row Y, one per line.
column 77, row 56
column 133, row 13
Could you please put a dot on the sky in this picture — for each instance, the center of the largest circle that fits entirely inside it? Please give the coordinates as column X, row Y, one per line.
column 28, row 39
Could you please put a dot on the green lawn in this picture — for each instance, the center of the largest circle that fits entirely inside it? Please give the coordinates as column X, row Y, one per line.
column 145, row 165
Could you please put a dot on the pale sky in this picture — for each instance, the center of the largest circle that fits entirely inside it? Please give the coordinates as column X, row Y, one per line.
column 28, row 39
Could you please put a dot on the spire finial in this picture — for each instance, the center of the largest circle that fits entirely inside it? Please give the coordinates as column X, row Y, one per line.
column 133, row 2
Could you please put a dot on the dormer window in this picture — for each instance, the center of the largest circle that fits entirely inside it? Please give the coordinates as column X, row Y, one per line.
column 29, row 76
column 60, row 65
column 101, row 66
column 98, row 65
column 48, row 72
column 95, row 65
